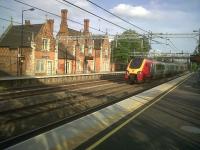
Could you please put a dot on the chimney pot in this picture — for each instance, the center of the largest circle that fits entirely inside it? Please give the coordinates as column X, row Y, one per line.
column 86, row 25
column 63, row 25
column 27, row 22
column 50, row 23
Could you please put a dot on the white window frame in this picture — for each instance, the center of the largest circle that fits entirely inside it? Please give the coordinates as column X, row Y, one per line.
column 68, row 67
column 42, row 66
column 92, row 65
column 82, row 48
column 74, row 49
column 52, row 66
column 45, row 45
column 79, row 67
column 90, row 50
column 106, row 51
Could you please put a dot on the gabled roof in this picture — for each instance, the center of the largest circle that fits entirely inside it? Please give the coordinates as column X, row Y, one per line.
column 72, row 32
column 12, row 38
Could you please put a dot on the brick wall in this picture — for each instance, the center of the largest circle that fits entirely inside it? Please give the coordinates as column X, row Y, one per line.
column 8, row 62
column 103, row 55
column 48, row 55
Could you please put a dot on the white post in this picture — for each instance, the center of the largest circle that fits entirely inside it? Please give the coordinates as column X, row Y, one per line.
column 32, row 72
column 56, row 58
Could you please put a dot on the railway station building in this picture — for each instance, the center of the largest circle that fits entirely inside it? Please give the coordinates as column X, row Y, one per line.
column 36, row 55
column 41, row 54
column 80, row 51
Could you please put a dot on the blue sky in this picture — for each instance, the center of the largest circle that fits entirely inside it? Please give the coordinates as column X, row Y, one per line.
column 158, row 16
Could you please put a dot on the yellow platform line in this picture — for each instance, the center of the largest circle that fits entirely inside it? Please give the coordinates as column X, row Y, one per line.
column 130, row 119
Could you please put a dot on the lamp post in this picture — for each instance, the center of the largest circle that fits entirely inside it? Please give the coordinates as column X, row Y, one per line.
column 20, row 50
column 198, row 47
column 167, row 44
column 66, row 59
column 76, row 49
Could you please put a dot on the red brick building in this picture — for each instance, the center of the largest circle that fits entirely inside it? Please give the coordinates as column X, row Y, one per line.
column 36, row 56
column 102, row 56
column 77, row 52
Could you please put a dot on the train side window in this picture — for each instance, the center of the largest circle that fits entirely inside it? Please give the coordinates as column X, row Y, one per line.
column 152, row 68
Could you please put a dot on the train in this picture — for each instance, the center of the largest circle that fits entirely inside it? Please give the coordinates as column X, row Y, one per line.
column 142, row 69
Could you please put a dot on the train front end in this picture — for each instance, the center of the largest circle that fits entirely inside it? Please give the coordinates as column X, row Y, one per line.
column 134, row 70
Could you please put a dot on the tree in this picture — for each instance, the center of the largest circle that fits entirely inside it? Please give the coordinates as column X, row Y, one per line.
column 127, row 43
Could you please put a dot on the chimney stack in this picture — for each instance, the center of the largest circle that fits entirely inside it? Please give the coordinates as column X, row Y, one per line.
column 63, row 24
column 27, row 22
column 50, row 23
column 86, row 25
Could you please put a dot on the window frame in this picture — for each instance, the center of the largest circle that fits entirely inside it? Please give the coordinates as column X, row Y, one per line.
column 46, row 45
column 90, row 50
column 82, row 48
column 40, row 66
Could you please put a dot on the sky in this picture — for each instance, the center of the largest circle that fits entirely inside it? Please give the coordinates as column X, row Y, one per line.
column 156, row 16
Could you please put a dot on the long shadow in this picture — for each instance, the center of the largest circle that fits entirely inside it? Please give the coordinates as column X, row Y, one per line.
column 5, row 74
column 9, row 83
column 9, row 129
column 113, row 78
column 155, row 129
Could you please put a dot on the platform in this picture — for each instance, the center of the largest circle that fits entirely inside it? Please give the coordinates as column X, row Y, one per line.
column 171, row 123
column 7, row 83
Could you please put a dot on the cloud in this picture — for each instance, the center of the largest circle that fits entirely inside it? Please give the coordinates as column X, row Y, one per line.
column 131, row 11
column 83, row 4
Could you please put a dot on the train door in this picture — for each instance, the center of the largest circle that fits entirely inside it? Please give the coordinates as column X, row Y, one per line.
column 153, row 70
column 147, row 69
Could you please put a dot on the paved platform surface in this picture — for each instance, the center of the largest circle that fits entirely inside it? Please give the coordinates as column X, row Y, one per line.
column 173, row 123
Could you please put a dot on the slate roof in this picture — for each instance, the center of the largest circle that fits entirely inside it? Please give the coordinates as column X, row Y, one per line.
column 72, row 32
column 12, row 38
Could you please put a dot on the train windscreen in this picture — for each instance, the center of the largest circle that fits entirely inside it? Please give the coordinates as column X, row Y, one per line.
column 136, row 63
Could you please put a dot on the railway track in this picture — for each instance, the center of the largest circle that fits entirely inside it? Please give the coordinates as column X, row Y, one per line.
column 69, row 102
column 43, row 90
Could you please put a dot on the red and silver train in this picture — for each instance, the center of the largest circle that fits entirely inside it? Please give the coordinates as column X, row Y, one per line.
column 140, row 69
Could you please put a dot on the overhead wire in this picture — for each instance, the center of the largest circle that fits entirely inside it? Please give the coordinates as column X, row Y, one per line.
column 9, row 20
column 19, row 23
column 117, row 16
column 13, row 10
column 67, row 37
column 173, row 45
column 158, row 42
column 150, row 33
column 6, row 8
column 92, row 14
column 56, row 15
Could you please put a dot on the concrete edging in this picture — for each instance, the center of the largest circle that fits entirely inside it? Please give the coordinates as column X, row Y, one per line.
column 22, row 82
column 71, row 135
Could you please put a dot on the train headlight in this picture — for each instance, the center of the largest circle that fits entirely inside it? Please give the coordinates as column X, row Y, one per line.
column 139, row 72
column 127, row 72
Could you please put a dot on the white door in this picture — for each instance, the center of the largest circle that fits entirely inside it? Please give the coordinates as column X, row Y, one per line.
column 68, row 67
column 49, row 67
